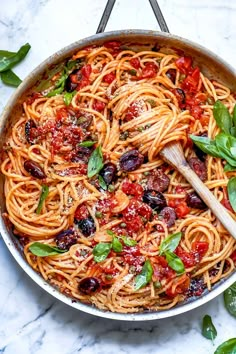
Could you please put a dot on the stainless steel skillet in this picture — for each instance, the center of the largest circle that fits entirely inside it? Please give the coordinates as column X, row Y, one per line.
column 209, row 63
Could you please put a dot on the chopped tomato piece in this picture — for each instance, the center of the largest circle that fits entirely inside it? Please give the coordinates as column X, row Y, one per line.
column 81, row 212
column 200, row 247
column 189, row 259
column 227, row 204
column 135, row 62
column 132, row 111
column 98, row 106
column 109, row 78
column 86, row 71
column 184, row 64
column 191, row 82
column 161, row 269
column 149, row 71
column 134, row 189
column 182, row 209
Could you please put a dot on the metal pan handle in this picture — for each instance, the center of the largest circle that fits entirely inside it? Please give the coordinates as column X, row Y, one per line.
column 155, row 7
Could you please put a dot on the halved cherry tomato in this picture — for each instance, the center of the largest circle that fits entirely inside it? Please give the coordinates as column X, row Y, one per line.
column 135, row 62
column 189, row 259
column 149, row 71
column 191, row 82
column 86, row 71
column 98, row 106
column 200, row 247
column 184, row 64
column 109, row 78
column 182, row 209
column 134, row 189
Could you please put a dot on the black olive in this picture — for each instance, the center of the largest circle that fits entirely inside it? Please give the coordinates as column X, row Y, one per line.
column 28, row 129
column 199, row 153
column 82, row 154
column 70, row 85
column 194, row 201
column 65, row 239
column 171, row 74
column 154, row 199
column 86, row 226
column 131, row 160
column 168, row 216
column 89, row 285
column 109, row 172
column 34, row 169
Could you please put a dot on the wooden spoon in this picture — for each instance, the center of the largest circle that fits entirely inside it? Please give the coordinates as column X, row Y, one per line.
column 173, row 154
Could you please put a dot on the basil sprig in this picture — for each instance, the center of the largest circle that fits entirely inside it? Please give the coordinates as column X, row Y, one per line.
column 95, row 163
column 228, row 347
column 231, row 189
column 208, row 329
column 7, row 61
column 44, row 250
column 167, row 248
column 145, row 276
column 116, row 245
column 101, row 251
column 230, row 299
column 87, row 143
column 68, row 96
column 224, row 145
column 102, row 183
column 129, row 241
column 43, row 196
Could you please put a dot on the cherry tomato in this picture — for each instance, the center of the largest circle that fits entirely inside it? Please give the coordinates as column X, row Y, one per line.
column 130, row 188
column 189, row 259
column 132, row 111
column 86, row 71
column 191, row 82
column 161, row 269
column 200, row 247
column 135, row 62
column 109, row 78
column 184, row 64
column 182, row 209
column 98, row 106
column 149, row 71
column 81, row 212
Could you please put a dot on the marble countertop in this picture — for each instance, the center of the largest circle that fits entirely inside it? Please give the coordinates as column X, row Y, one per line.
column 31, row 321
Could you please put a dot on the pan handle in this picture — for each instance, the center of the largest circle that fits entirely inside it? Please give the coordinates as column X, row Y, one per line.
column 155, row 7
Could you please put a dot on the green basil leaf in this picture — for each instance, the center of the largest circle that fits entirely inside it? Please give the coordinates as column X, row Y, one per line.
column 233, row 131
column 208, row 328
column 116, row 244
column 230, row 299
column 7, row 62
column 43, row 196
column 87, row 143
column 68, row 97
column 55, row 92
column 6, row 54
column 222, row 117
column 144, row 277
column 101, row 251
column 206, row 145
column 231, row 188
column 44, row 250
column 175, row 262
column 102, row 183
column 228, row 347
column 170, row 243
column 234, row 116
column 129, row 241
column 229, row 168
column 10, row 78
column 111, row 233
column 45, row 84
column 95, row 163
column 224, row 143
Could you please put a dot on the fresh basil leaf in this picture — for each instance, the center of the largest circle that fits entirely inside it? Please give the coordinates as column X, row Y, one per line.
column 95, row 163
column 50, row 73
column 175, row 262
column 170, row 243
column 71, row 64
column 233, row 131
column 10, row 78
column 129, row 241
column 87, row 143
column 222, row 117
column 101, row 251
column 224, row 142
column 229, row 168
column 44, row 250
column 6, row 54
column 55, row 92
column 206, row 145
column 68, row 96
column 116, row 244
column 43, row 196
column 228, row 347
column 208, row 328
column 7, row 62
column 230, row 299
column 111, row 233
column 102, row 183
column 231, row 188
column 144, row 277
column 234, row 115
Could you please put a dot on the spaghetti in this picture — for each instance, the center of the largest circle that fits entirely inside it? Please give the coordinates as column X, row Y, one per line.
column 90, row 198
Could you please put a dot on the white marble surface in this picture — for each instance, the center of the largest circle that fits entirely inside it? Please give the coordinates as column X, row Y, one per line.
column 31, row 321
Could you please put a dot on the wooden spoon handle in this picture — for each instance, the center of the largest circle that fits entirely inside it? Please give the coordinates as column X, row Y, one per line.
column 173, row 154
